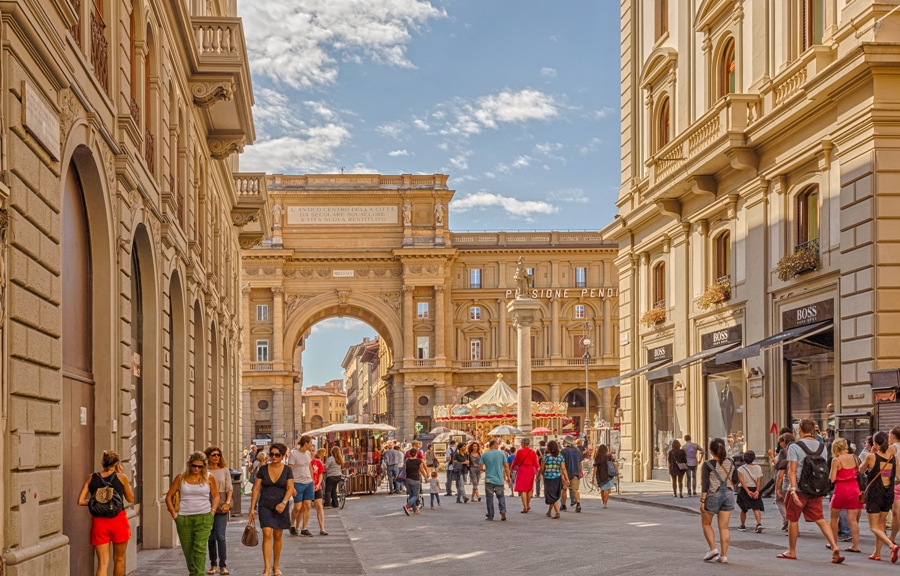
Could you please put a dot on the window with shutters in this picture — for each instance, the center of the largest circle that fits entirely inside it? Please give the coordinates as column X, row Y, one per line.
column 727, row 70
column 659, row 285
column 723, row 256
column 579, row 311
column 580, row 277
column 262, row 350
column 663, row 127
column 808, row 215
column 475, row 348
column 812, row 22
column 475, row 278
column 475, row 313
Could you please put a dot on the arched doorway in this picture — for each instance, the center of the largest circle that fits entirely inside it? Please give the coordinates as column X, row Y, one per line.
column 137, row 389
column 77, row 368
column 177, row 409
column 575, row 402
column 215, row 387
column 537, row 396
column 199, row 379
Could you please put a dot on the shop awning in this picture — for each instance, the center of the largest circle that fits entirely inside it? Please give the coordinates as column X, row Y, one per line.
column 775, row 341
column 689, row 361
column 615, row 381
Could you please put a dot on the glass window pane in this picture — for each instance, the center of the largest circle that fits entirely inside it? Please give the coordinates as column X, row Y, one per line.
column 812, row 211
column 725, row 410
column 664, row 421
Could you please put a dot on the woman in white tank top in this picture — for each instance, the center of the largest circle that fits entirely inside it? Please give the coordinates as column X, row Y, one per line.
column 197, row 499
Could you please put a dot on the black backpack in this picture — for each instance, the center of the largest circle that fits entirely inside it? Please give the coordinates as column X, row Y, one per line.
column 105, row 502
column 814, row 478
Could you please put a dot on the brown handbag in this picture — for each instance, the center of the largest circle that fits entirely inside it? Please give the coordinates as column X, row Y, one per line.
column 250, row 537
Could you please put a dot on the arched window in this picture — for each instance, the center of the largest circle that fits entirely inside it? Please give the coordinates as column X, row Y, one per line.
column 727, row 70
column 132, row 60
column 662, row 125
column 813, row 22
column 808, row 215
column 723, row 256
column 662, row 18
column 149, row 147
column 659, row 285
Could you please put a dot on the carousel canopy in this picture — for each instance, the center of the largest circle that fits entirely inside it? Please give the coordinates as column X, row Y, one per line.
column 499, row 393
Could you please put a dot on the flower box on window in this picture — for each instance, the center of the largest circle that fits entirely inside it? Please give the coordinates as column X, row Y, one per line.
column 805, row 258
column 716, row 293
column 653, row 316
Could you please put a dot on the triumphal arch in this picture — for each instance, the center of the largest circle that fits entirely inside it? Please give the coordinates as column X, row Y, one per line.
column 378, row 248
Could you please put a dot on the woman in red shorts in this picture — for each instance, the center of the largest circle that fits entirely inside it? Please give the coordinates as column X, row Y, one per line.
column 109, row 530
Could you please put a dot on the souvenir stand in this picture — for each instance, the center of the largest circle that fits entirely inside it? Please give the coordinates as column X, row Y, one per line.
column 497, row 406
column 361, row 447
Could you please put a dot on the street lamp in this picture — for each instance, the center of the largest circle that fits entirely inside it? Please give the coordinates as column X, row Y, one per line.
column 585, row 345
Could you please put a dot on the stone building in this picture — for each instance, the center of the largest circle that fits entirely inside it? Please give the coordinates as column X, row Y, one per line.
column 324, row 405
column 379, row 249
column 757, row 218
column 121, row 219
column 366, row 367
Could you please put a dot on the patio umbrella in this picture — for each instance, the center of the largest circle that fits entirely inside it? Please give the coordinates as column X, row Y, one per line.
column 541, row 431
column 448, row 436
column 440, row 430
column 504, row 431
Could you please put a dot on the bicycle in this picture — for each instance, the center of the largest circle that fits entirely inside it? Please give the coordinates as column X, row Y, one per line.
column 587, row 473
column 342, row 492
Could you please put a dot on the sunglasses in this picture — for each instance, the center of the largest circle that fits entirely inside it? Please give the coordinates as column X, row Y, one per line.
column 275, row 454
column 198, row 466
column 216, row 455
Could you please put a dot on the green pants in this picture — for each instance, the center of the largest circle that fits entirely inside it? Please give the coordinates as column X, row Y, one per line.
column 193, row 531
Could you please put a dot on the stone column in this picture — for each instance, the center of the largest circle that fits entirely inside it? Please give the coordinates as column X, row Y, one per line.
column 397, row 414
column 278, row 327
column 554, row 328
column 408, row 315
column 608, row 344
column 278, row 413
column 408, row 429
column 439, row 325
column 554, row 392
column 246, row 418
column 501, row 330
column 522, row 312
column 245, row 329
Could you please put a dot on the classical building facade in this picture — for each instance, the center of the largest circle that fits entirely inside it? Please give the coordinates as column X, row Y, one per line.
column 324, row 405
column 366, row 367
column 757, row 218
column 378, row 248
column 121, row 215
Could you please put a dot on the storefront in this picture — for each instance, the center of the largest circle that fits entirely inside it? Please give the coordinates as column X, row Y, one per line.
column 664, row 421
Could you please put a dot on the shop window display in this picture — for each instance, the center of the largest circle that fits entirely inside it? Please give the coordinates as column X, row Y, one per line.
column 666, row 428
column 810, row 373
column 725, row 409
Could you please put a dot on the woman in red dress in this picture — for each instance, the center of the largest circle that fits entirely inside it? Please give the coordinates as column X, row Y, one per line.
column 525, row 466
column 846, row 490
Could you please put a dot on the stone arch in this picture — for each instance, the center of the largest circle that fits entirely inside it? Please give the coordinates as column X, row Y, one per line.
column 200, row 377
column 178, row 397
column 382, row 318
column 215, row 396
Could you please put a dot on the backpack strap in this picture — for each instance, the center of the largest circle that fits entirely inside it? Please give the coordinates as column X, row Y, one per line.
column 817, row 452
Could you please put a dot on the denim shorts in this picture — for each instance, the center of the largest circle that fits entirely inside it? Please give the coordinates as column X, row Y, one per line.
column 304, row 492
column 721, row 501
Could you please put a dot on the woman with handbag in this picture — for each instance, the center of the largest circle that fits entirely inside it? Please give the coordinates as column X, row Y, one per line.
column 718, row 477
column 881, row 471
column 273, row 489
column 105, row 494
column 847, row 494
column 197, row 497
column 677, row 468
column 333, row 472
column 605, row 472
column 218, row 469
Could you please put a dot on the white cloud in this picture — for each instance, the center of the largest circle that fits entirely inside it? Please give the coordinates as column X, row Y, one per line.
column 548, row 72
column 591, row 146
column 421, row 124
column 459, row 162
column 506, row 107
column 603, row 112
column 392, row 129
column 554, row 38
column 297, row 41
column 521, row 208
column 398, row 153
column 522, row 162
column 569, row 195
column 337, row 324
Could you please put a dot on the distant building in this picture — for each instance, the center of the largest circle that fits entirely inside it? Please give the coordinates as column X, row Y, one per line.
column 323, row 405
column 367, row 368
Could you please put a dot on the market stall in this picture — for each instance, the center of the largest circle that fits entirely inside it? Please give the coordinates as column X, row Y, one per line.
column 361, row 445
column 496, row 407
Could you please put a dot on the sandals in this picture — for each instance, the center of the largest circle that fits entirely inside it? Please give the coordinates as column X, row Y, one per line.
column 850, row 549
column 875, row 558
column 224, row 570
column 557, row 517
column 786, row 556
column 277, row 573
column 895, row 554
column 213, row 570
column 837, row 559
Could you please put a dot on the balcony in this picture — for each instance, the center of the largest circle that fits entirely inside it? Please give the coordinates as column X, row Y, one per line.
column 423, row 363
column 580, row 361
column 250, row 194
column 804, row 258
column 477, row 364
column 261, row 366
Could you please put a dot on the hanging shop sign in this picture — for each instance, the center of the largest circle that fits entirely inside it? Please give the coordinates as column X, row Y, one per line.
column 723, row 337
column 659, row 353
column 818, row 312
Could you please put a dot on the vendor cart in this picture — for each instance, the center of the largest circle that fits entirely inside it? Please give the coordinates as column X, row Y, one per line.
column 361, row 445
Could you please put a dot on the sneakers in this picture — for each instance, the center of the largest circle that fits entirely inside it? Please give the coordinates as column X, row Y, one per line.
column 742, row 528
column 323, row 533
column 293, row 531
column 722, row 560
column 578, row 507
column 406, row 510
column 503, row 516
column 488, row 518
column 758, row 529
column 711, row 555
column 305, row 532
column 563, row 508
column 465, row 499
column 784, row 526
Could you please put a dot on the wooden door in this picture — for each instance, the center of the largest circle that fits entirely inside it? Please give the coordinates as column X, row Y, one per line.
column 78, row 379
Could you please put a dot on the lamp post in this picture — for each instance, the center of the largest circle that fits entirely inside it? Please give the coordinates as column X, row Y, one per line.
column 585, row 345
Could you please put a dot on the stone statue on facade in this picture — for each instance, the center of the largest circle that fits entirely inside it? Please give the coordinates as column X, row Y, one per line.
column 439, row 214
column 407, row 214
column 523, row 279
column 277, row 212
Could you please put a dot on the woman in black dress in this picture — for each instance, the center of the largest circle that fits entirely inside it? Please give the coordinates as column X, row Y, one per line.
column 273, row 489
column 880, row 474
column 677, row 468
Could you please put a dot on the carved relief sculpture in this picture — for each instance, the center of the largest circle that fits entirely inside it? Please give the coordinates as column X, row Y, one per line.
column 439, row 214
column 407, row 214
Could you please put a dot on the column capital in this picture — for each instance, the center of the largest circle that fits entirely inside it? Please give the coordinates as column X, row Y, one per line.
column 439, row 288
column 245, row 289
column 277, row 290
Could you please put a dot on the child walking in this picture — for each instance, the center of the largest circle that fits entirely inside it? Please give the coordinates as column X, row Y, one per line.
column 748, row 498
column 434, row 488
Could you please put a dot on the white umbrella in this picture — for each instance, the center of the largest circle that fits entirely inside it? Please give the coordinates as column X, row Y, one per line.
column 440, row 430
column 504, row 431
column 448, row 436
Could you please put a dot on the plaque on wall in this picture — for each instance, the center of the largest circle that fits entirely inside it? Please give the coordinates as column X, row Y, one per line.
column 679, row 393
column 659, row 353
column 810, row 314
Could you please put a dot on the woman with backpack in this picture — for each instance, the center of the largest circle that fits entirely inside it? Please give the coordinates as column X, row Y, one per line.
column 605, row 472
column 717, row 480
column 880, row 469
column 105, row 494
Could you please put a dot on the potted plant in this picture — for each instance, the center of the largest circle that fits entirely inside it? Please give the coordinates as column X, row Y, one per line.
column 653, row 316
column 716, row 293
column 804, row 259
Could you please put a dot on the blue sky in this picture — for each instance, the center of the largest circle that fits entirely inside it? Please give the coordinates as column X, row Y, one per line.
column 516, row 100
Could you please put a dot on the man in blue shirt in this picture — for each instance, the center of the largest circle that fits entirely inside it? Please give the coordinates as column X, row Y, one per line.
column 496, row 476
column 572, row 457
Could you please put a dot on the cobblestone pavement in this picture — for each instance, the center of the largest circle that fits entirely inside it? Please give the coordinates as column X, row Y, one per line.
column 372, row 535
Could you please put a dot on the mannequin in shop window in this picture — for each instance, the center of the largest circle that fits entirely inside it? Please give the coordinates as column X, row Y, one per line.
column 726, row 405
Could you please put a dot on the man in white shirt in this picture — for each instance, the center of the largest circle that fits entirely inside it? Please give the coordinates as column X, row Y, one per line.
column 300, row 462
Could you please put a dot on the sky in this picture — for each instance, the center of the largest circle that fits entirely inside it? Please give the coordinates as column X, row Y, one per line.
column 516, row 100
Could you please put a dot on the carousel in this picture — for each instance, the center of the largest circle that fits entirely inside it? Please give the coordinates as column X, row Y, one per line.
column 498, row 406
